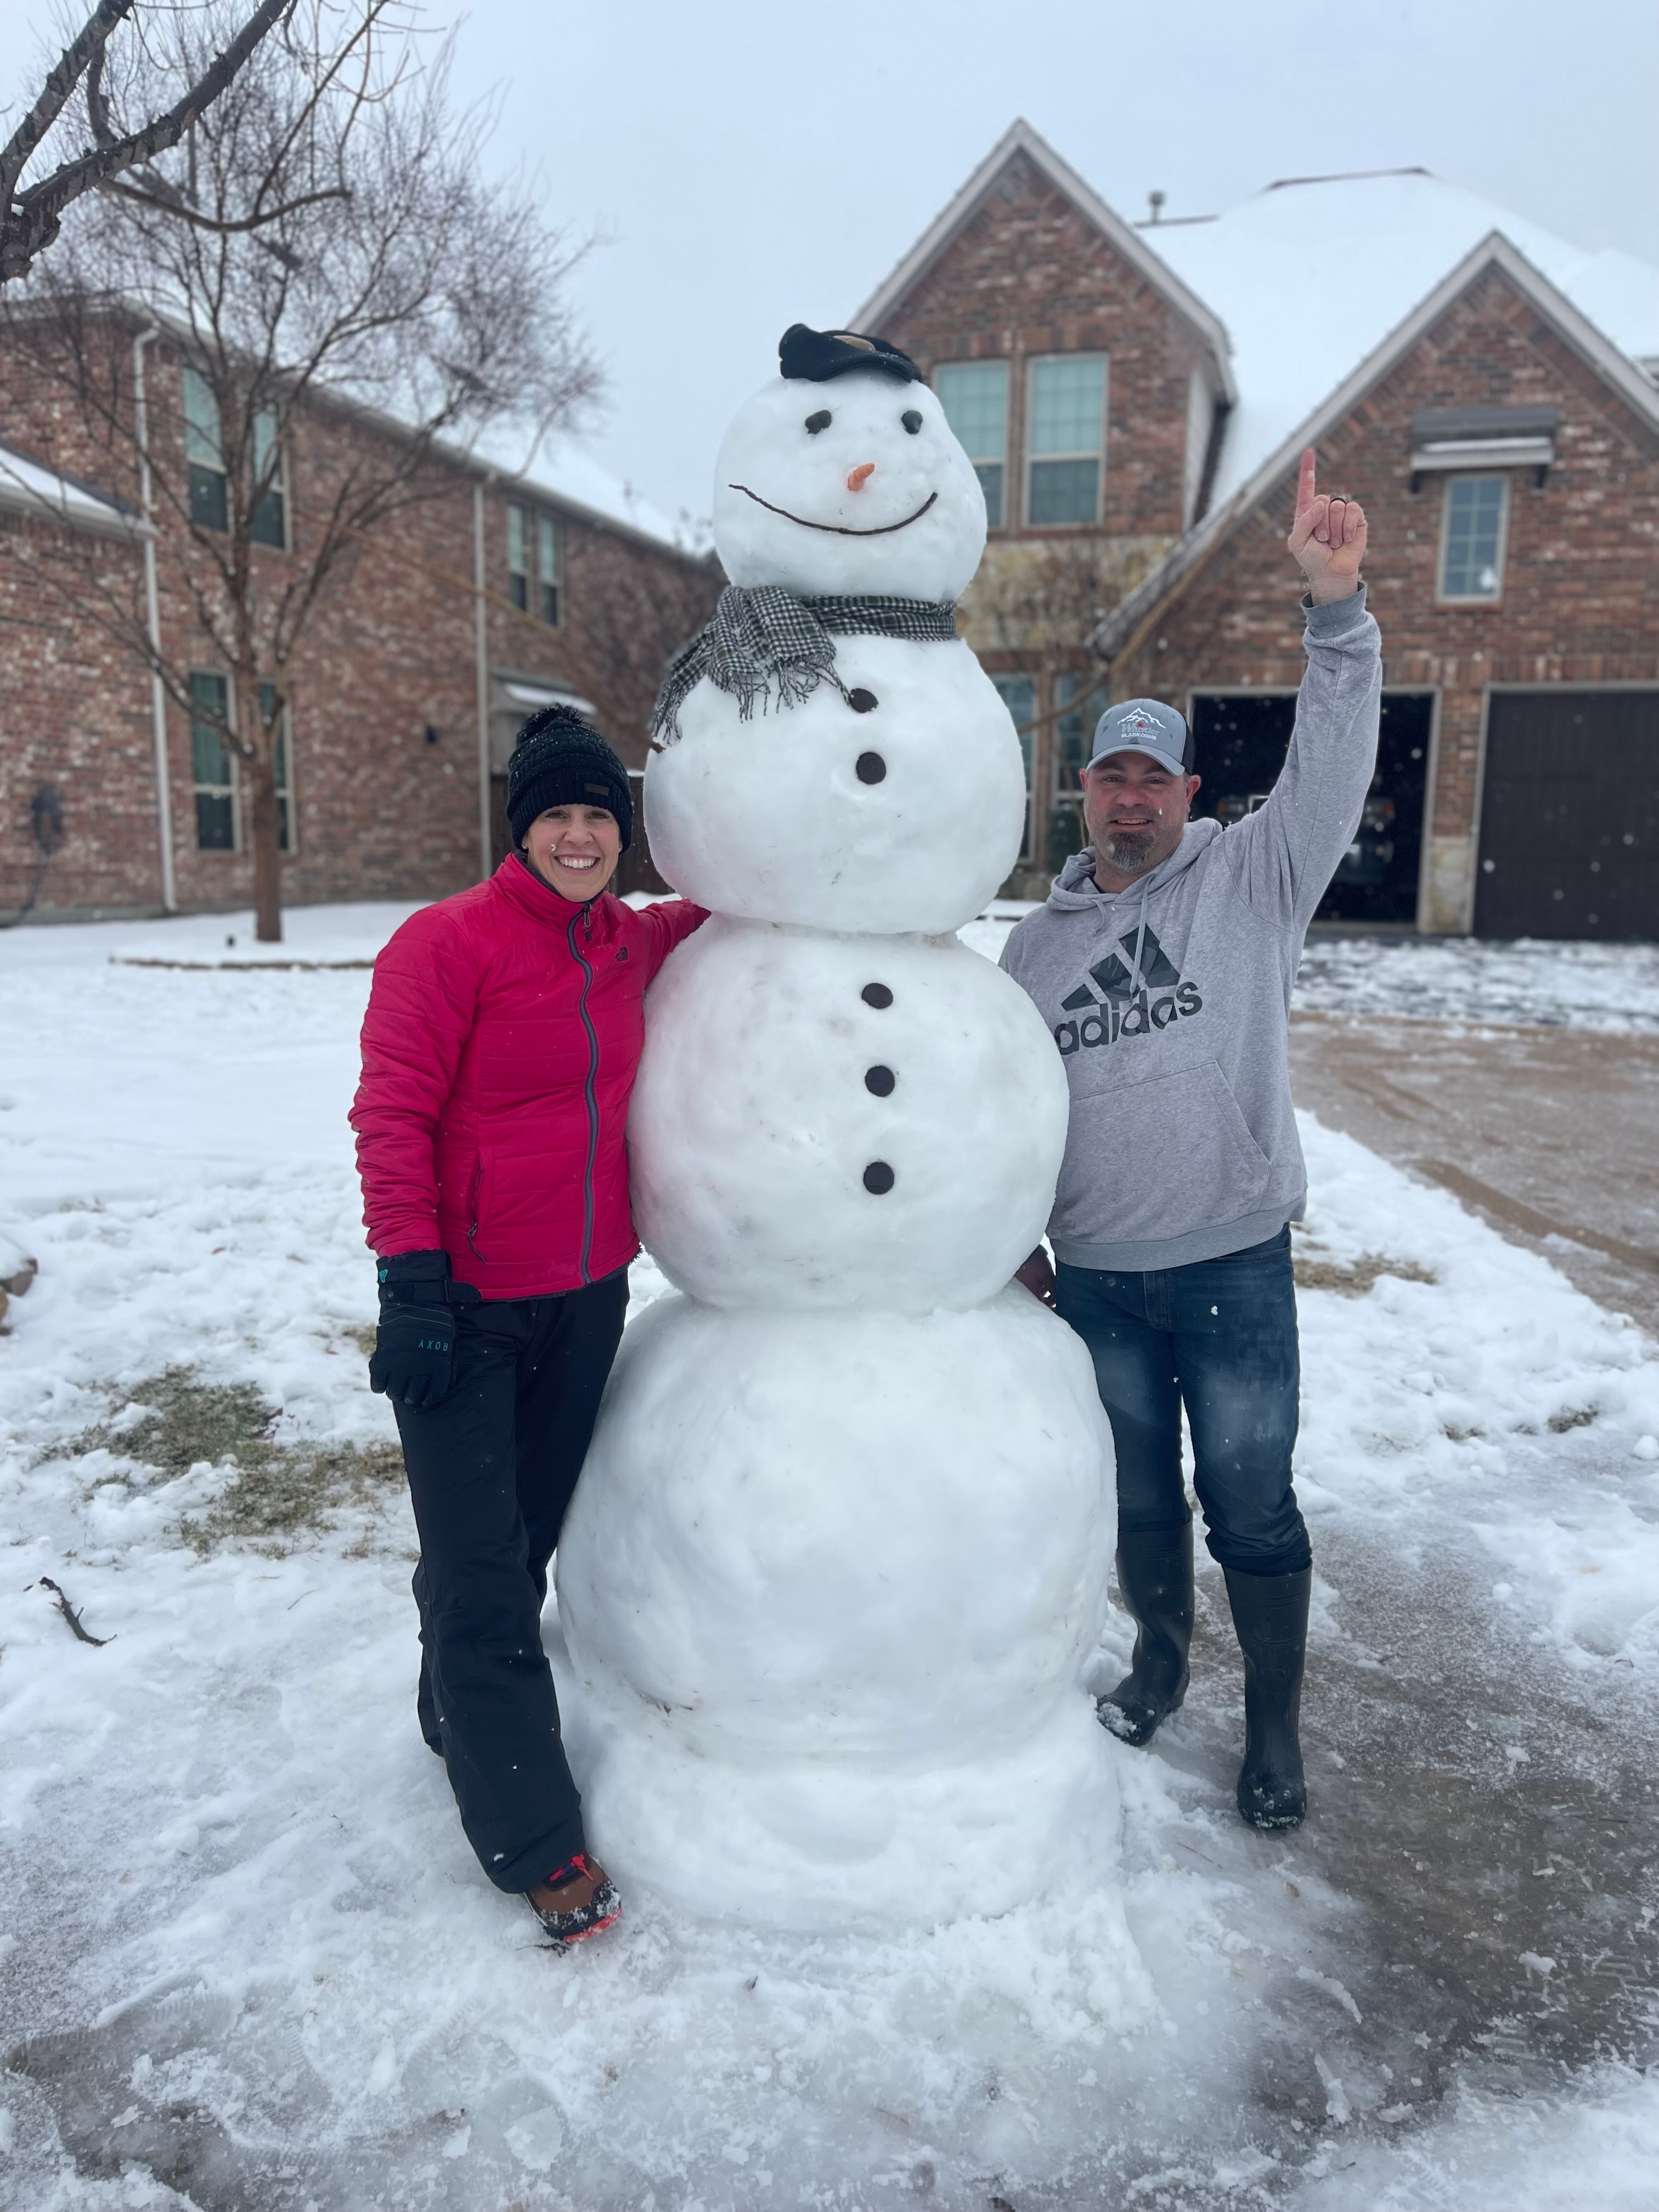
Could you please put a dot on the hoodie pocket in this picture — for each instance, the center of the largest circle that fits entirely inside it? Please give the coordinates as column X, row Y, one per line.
column 1155, row 1159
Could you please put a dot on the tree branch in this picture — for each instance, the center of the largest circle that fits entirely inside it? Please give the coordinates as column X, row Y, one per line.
column 30, row 221
column 62, row 81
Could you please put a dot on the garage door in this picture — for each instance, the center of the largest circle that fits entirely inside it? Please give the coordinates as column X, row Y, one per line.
column 1569, row 816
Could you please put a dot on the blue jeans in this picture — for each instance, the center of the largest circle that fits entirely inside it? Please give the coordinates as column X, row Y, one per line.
column 1219, row 1337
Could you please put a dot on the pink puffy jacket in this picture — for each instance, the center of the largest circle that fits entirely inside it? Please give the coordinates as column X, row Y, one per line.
column 503, row 1031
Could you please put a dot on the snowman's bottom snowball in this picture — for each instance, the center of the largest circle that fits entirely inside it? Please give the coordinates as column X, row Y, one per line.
column 816, row 1846
column 827, row 1583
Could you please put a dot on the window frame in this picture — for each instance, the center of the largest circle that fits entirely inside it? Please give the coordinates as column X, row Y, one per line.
column 998, row 461
column 230, row 790
column 1442, row 597
column 1032, row 459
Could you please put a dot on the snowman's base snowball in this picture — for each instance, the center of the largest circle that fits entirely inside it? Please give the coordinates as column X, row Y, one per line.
column 817, row 1845
column 827, row 1583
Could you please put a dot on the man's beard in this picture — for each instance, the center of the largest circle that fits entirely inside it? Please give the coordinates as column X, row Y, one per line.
column 1129, row 851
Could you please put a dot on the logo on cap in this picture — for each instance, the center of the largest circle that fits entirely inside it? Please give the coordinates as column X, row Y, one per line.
column 1139, row 723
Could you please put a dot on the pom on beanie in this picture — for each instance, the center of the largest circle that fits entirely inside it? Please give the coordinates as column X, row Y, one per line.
column 562, row 761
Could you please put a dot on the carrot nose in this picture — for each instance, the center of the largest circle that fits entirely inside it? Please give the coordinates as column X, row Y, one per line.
column 860, row 475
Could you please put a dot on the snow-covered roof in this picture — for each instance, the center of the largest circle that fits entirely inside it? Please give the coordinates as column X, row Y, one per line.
column 28, row 487
column 1309, row 277
column 564, row 471
column 1128, row 619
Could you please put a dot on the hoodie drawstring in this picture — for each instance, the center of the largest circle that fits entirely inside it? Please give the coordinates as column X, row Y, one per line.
column 1140, row 936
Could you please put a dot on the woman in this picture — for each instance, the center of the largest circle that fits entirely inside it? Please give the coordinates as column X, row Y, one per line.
column 503, row 1032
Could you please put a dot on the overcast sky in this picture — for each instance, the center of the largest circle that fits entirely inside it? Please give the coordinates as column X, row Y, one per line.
column 751, row 163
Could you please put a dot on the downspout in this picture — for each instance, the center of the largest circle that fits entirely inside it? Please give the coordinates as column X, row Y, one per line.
column 158, row 698
column 481, row 649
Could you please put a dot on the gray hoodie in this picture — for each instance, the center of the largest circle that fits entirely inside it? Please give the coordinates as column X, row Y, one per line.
column 1169, row 1001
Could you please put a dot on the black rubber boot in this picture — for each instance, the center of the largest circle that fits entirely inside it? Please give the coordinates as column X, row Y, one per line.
column 1155, row 1578
column 1270, row 1616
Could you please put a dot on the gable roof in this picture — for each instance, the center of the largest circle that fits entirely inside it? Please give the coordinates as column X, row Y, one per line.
column 1312, row 275
column 1494, row 250
column 1123, row 239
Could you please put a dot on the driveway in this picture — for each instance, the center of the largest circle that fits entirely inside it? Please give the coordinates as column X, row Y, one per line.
column 1548, row 1132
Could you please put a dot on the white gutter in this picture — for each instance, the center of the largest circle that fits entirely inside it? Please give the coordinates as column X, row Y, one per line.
column 480, row 652
column 158, row 698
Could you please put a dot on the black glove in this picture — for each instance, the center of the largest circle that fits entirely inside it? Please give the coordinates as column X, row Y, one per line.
column 414, row 1356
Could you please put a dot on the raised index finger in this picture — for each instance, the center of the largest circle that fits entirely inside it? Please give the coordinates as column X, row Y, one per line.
column 1305, row 482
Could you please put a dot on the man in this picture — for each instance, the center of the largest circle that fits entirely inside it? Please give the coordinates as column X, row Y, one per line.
column 1162, row 963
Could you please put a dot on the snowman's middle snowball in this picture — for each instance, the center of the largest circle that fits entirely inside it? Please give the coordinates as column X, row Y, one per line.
column 841, row 1121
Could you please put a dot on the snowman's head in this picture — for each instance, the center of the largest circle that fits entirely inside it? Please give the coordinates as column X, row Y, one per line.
column 853, row 484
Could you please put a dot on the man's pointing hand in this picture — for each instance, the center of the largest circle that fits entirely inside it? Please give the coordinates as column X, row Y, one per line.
column 1327, row 537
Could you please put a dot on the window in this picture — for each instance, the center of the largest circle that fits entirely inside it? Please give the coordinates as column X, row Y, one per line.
column 528, row 528
column 975, row 396
column 1080, row 706
column 214, row 768
column 281, row 757
column 547, row 561
column 1066, row 410
column 518, row 557
column 210, row 497
column 1019, row 697
column 208, row 504
column 1472, row 538
column 211, row 766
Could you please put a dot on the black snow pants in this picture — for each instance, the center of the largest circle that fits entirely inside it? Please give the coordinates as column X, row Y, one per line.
column 491, row 1472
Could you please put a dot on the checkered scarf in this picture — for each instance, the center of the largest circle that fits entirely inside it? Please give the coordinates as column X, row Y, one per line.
column 767, row 639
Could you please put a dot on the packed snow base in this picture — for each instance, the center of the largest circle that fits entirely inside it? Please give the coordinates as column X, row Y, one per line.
column 801, row 1700
column 246, row 1946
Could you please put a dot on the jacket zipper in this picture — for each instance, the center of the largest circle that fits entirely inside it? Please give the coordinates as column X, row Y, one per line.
column 472, row 1207
column 590, row 1091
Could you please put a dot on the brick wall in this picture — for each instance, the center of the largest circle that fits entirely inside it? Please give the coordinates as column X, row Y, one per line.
column 1580, row 600
column 384, row 727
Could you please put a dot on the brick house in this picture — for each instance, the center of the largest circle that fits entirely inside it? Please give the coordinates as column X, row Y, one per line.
column 1136, row 396
column 493, row 593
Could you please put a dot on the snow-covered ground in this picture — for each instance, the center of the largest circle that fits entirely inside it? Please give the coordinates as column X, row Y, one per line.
column 247, row 1959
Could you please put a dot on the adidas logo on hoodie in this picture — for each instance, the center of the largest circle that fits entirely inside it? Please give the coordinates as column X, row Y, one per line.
column 1126, row 1006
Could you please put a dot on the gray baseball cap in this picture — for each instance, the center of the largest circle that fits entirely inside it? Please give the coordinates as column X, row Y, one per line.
column 1144, row 725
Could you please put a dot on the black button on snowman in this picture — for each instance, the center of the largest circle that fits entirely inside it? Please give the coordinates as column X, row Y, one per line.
column 843, row 1537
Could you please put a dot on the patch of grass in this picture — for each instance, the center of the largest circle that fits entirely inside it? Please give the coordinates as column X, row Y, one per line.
column 280, row 1491
column 1354, row 1280
column 1572, row 1417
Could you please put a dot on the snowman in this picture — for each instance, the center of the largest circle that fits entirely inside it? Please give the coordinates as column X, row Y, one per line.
column 840, row 1548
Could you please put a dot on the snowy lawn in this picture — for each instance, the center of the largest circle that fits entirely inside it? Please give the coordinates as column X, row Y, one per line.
column 1612, row 987
column 247, row 1958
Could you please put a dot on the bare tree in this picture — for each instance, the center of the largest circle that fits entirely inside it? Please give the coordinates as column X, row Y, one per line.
column 322, row 243
column 31, row 216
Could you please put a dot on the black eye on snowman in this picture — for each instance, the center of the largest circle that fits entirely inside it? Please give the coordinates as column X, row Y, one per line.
column 911, row 421
column 818, row 421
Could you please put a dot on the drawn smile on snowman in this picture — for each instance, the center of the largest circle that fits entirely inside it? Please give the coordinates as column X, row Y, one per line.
column 841, row 529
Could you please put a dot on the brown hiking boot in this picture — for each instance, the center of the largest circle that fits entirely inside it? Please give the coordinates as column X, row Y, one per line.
column 576, row 1900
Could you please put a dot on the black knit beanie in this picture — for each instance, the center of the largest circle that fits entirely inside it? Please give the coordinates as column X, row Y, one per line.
column 562, row 761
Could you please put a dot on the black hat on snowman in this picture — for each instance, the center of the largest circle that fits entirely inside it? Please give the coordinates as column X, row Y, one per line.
column 817, row 355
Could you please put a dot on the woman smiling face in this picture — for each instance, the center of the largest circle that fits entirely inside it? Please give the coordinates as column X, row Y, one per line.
column 855, row 485
column 575, row 849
